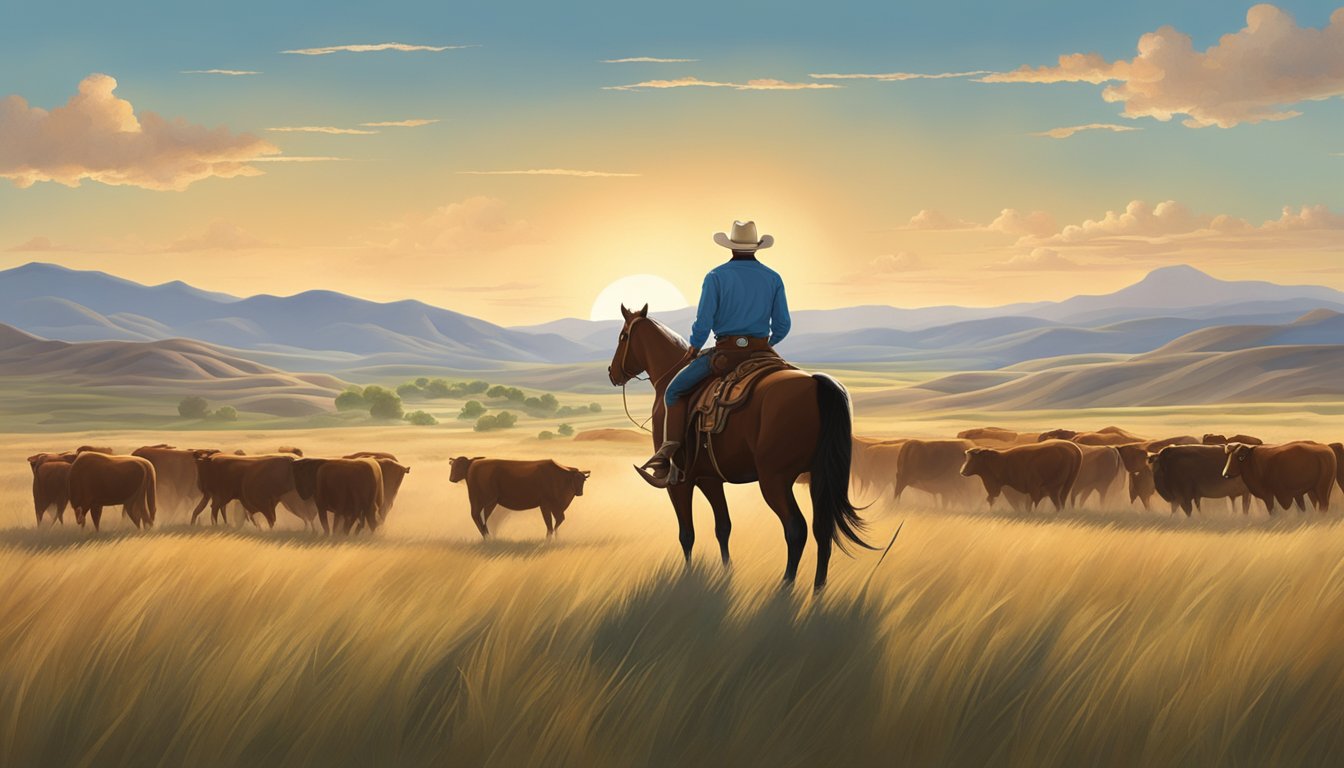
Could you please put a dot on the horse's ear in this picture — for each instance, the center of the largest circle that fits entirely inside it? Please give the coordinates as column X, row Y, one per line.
column 643, row 312
column 625, row 312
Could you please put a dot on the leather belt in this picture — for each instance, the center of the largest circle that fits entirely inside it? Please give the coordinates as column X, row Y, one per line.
column 741, row 342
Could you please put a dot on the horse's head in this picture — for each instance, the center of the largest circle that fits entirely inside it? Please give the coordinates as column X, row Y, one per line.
column 627, row 362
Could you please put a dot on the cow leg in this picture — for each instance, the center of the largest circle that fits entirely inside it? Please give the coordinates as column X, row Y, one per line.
column 60, row 513
column 549, row 518
column 96, row 512
column 723, row 526
column 683, row 499
column 778, row 493
column 322, row 518
column 200, row 507
column 559, row 515
column 478, row 517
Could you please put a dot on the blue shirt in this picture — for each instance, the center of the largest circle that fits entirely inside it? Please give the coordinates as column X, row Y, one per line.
column 741, row 298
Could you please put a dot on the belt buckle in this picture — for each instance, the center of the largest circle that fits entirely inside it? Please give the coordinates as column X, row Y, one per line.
column 741, row 341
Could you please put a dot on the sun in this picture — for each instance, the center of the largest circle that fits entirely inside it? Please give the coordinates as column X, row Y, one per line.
column 634, row 291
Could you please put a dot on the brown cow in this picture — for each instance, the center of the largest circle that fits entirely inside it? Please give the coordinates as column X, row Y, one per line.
column 1105, row 436
column 98, row 480
column 175, row 469
column 1185, row 474
column 996, row 436
column 1040, row 470
column 258, row 483
column 393, row 474
column 1135, row 458
column 1338, row 448
column 1154, row 446
column 1099, row 473
column 1284, row 472
column 351, row 490
column 873, row 462
column 518, row 485
column 51, row 483
column 934, row 466
column 94, row 449
column 290, row 450
column 1216, row 439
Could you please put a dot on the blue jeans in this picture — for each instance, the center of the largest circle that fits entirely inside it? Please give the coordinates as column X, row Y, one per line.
column 686, row 379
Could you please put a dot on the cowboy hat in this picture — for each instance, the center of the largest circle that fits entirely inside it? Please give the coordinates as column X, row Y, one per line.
column 743, row 238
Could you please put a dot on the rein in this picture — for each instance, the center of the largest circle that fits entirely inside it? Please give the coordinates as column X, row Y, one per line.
column 625, row 403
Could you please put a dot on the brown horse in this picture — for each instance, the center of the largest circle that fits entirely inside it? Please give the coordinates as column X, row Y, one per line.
column 795, row 422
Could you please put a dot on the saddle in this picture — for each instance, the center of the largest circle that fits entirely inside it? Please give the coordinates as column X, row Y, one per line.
column 737, row 374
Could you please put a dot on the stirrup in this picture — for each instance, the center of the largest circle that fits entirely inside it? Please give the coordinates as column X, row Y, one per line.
column 665, row 453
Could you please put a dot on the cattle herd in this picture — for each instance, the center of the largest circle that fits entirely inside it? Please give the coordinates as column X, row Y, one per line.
column 1079, row 468
column 1107, row 467
column 356, row 490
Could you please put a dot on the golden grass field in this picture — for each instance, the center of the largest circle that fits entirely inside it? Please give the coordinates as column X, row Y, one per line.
column 1082, row 638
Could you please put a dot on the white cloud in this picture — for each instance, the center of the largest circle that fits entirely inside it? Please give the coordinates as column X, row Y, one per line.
column 548, row 172
column 928, row 218
column 41, row 243
column 329, row 129
column 897, row 76
column 99, row 136
column 474, row 225
column 416, row 123
column 230, row 72
column 295, row 159
column 647, row 60
column 760, row 84
column 1013, row 222
column 1038, row 259
column 1066, row 132
column 1249, row 76
column 219, row 236
column 889, row 263
column 373, row 47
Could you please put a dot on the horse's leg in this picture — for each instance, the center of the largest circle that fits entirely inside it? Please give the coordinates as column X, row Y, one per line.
column 683, row 496
column 723, row 526
column 778, row 493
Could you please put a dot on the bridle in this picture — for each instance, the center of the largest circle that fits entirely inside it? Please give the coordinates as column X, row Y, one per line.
column 626, row 336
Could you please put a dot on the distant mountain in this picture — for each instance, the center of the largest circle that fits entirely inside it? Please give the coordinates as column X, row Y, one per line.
column 56, row 302
column 171, row 368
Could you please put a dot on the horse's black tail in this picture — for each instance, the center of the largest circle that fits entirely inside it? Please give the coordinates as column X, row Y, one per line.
column 832, row 511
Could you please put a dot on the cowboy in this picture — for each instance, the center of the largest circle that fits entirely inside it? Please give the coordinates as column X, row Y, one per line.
column 742, row 302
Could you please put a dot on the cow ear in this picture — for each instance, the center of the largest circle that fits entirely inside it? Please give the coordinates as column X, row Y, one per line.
column 474, row 458
column 643, row 312
column 587, row 473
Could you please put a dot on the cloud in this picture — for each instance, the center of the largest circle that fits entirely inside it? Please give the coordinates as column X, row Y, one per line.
column 370, row 48
column 1039, row 259
column 97, row 135
column 400, row 123
column 230, row 72
column 889, row 263
column 1066, row 132
column 295, row 159
column 1249, row 76
column 547, row 172
column 761, row 84
column 474, row 225
column 1013, row 222
column 219, row 236
column 894, row 76
column 928, row 218
column 647, row 60
column 321, row 129
column 41, row 243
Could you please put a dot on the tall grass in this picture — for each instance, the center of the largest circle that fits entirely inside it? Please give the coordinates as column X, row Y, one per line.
column 983, row 639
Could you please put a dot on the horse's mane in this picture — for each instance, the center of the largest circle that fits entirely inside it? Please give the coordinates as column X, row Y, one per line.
column 671, row 335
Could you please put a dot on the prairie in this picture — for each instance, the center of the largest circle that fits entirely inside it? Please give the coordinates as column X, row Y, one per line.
column 1110, row 637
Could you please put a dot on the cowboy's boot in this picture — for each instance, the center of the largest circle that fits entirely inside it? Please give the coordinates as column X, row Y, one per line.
column 662, row 469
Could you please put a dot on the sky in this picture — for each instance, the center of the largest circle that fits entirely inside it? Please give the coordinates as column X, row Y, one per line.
column 510, row 160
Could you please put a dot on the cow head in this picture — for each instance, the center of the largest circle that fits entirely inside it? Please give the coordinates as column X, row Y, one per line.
column 1237, row 454
column 1212, row 439
column 95, row 449
column 577, row 477
column 460, row 465
column 1057, row 434
column 289, row 449
column 977, row 459
column 305, row 476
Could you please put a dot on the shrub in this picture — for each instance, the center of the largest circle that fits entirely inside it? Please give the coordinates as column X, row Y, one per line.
column 409, row 391
column 225, row 413
column 504, row 419
column 422, row 382
column 546, row 434
column 548, row 402
column 193, row 407
column 595, row 407
column 351, row 399
column 421, row 418
column 565, row 430
column 501, row 420
column 383, row 403
column 497, row 392
column 437, row 388
column 475, row 387
column 532, row 403
column 472, row 409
